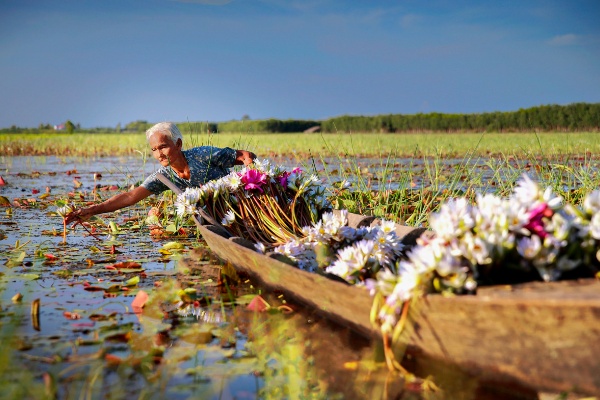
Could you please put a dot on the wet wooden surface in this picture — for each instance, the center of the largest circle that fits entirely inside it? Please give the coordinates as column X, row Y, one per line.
column 545, row 336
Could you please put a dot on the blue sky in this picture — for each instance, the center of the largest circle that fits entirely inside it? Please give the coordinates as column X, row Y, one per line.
column 104, row 62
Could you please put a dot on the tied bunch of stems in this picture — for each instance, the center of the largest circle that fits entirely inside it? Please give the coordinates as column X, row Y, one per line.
column 531, row 235
column 262, row 203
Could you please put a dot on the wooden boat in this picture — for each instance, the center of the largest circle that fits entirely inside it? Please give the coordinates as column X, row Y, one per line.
column 543, row 336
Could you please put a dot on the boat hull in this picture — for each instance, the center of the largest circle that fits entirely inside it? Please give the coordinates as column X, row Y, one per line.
column 545, row 336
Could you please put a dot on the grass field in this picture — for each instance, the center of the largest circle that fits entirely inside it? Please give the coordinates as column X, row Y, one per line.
column 269, row 145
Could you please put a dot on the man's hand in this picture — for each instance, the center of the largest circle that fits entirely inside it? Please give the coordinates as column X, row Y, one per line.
column 244, row 157
column 79, row 215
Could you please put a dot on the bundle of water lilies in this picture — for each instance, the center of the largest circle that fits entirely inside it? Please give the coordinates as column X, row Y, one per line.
column 262, row 203
column 532, row 235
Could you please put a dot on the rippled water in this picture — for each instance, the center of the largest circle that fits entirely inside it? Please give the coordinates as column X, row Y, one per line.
column 206, row 367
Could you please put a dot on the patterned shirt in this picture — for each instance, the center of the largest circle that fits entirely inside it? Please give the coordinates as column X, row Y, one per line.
column 206, row 163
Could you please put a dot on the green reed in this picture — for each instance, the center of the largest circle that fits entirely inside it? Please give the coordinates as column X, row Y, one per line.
column 302, row 145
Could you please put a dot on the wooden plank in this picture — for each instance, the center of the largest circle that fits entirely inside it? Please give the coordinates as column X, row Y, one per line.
column 542, row 335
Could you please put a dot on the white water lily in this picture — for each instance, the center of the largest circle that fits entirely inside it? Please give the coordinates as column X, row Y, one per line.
column 260, row 247
column 64, row 210
column 591, row 203
column 526, row 191
column 228, row 219
column 186, row 201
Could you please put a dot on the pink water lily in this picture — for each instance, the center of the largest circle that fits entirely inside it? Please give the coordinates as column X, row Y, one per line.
column 283, row 179
column 254, row 179
column 536, row 223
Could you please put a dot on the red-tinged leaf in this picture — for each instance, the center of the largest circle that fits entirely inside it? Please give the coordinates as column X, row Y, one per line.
column 70, row 315
column 110, row 267
column 34, row 191
column 119, row 337
column 112, row 359
column 258, row 304
column 50, row 257
column 86, row 284
column 91, row 288
column 125, row 264
column 2, row 182
column 83, row 324
column 140, row 300
column 158, row 283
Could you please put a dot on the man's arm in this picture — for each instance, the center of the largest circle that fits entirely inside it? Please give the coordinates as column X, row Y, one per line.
column 116, row 202
column 244, row 157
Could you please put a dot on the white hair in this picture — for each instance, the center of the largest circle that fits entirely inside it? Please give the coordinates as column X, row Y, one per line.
column 168, row 129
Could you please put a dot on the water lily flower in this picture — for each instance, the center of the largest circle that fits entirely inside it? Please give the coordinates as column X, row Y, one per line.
column 186, row 202
column 260, row 247
column 64, row 210
column 283, row 179
column 228, row 219
column 529, row 247
column 526, row 191
column 254, row 180
column 591, row 203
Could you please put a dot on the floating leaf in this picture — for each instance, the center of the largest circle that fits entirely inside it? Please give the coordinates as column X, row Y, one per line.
column 258, row 304
column 119, row 337
column 171, row 228
column 133, row 281
column 112, row 359
column 29, row 277
column 16, row 259
column 140, row 300
column 91, row 288
column 17, row 298
column 114, row 289
column 4, row 201
column 173, row 246
column 71, row 315
column 63, row 273
column 126, row 264
column 113, row 227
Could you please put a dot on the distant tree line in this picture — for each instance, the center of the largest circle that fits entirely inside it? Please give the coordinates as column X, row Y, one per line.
column 266, row 125
column 573, row 117
column 548, row 118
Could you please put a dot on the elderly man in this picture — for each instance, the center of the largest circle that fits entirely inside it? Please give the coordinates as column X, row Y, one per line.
column 185, row 168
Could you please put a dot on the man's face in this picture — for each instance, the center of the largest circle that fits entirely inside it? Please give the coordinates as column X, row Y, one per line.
column 163, row 149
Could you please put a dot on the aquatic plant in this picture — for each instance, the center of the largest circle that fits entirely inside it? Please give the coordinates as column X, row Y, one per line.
column 530, row 235
column 63, row 210
column 262, row 202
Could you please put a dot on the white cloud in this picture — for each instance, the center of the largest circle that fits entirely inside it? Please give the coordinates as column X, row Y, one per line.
column 563, row 40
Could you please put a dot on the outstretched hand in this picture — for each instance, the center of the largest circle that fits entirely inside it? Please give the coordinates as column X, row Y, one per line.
column 78, row 215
